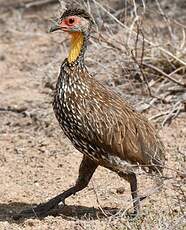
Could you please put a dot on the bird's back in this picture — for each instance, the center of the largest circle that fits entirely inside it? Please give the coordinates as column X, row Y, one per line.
column 103, row 125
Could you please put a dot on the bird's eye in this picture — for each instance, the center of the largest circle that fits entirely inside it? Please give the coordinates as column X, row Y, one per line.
column 71, row 20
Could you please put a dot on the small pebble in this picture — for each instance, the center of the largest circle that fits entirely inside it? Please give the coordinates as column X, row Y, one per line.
column 120, row 190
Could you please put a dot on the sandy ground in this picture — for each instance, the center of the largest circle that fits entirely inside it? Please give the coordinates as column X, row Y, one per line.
column 38, row 162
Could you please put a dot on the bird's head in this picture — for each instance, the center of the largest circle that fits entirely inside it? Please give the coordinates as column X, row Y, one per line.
column 73, row 20
column 77, row 22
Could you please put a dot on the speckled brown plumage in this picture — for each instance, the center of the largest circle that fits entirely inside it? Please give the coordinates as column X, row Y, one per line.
column 100, row 124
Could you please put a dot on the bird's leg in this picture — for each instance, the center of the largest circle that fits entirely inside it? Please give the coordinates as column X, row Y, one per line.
column 86, row 170
column 131, row 178
column 133, row 186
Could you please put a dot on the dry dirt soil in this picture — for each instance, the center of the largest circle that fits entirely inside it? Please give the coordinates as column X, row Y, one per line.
column 37, row 161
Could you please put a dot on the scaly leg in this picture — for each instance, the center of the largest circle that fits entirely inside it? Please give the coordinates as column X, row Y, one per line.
column 131, row 178
column 86, row 170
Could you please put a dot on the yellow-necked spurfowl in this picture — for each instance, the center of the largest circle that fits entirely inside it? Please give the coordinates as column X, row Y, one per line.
column 100, row 124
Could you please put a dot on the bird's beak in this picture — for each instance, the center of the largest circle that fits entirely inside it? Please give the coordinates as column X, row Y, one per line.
column 55, row 26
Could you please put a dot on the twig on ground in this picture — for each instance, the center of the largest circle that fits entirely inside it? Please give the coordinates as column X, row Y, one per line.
column 164, row 75
column 147, row 41
column 103, row 39
column 13, row 109
column 97, row 199
column 134, row 56
column 156, row 116
column 30, row 4
column 144, row 107
column 173, row 113
column 166, row 19
column 170, row 115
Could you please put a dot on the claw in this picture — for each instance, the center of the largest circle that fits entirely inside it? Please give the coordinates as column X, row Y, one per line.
column 133, row 216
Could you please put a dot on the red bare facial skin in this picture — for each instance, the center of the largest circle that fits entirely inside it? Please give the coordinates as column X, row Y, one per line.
column 69, row 22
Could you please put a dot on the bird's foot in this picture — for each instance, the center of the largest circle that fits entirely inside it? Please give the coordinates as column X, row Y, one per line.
column 132, row 216
column 40, row 210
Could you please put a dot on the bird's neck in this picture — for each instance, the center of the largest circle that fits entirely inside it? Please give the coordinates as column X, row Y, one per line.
column 78, row 47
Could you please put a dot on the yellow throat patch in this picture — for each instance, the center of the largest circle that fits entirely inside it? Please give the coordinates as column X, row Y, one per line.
column 76, row 45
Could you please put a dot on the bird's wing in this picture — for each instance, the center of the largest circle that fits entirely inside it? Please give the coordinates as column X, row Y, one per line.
column 113, row 125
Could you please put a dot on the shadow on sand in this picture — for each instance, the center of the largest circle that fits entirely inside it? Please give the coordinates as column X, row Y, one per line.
column 70, row 212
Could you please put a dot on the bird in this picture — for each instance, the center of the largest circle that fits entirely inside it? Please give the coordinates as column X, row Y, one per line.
column 103, row 126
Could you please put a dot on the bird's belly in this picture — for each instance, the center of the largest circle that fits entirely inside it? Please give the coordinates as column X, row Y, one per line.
column 74, row 129
column 79, row 140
